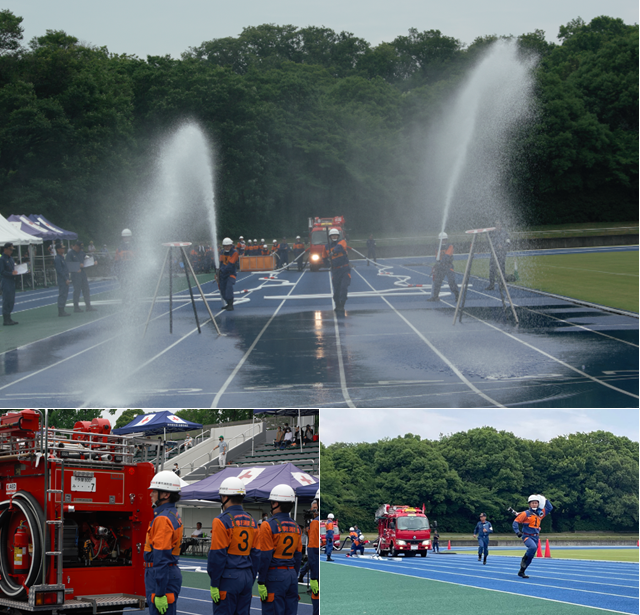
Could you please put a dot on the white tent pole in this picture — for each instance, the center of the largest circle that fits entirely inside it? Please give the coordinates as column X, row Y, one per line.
column 295, row 509
column 253, row 433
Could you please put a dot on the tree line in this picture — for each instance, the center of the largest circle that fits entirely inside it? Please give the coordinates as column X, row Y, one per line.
column 590, row 478
column 306, row 122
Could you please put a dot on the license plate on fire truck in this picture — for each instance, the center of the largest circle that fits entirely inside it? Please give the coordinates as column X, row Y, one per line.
column 414, row 547
column 83, row 481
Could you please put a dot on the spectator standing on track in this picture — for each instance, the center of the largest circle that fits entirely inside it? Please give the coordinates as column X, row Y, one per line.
column 444, row 268
column 79, row 278
column 280, row 545
column 526, row 525
column 224, row 447
column 501, row 241
column 8, row 278
column 233, row 558
column 371, row 250
column 482, row 531
column 62, row 275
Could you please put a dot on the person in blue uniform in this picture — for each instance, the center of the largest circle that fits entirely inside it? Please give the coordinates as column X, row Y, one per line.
column 329, row 529
column 79, row 278
column 283, row 252
column 8, row 278
column 280, row 546
column 526, row 525
column 228, row 269
column 357, row 545
column 233, row 558
column 335, row 256
column 62, row 274
column 298, row 251
column 482, row 531
column 163, row 579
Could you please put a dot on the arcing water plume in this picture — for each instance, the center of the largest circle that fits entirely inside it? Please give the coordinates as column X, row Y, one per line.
column 471, row 146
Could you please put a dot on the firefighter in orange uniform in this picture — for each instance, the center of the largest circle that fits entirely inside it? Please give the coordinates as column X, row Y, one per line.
column 444, row 268
column 280, row 545
column 233, row 558
column 163, row 579
column 228, row 268
column 298, row 251
column 335, row 255
column 313, row 553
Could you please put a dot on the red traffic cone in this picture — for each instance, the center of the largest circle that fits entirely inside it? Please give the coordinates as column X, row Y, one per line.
column 547, row 551
column 539, row 552
column 449, row 546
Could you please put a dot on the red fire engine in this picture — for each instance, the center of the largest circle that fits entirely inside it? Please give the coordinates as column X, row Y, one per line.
column 323, row 534
column 75, row 504
column 402, row 529
column 319, row 237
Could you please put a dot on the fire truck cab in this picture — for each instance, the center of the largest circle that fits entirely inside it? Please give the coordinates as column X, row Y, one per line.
column 402, row 529
column 323, row 534
column 318, row 237
column 74, row 512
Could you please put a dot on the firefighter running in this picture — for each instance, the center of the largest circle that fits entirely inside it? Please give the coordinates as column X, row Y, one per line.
column 335, row 255
column 233, row 558
column 228, row 269
column 329, row 525
column 163, row 578
column 530, row 521
column 482, row 531
column 280, row 545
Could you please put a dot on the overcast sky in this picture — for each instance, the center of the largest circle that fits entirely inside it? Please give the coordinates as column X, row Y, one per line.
column 161, row 27
column 540, row 424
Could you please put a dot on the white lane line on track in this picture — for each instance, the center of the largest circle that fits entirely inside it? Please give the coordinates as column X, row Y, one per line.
column 343, row 379
column 77, row 354
column 549, row 356
column 500, row 591
column 451, row 366
column 522, row 307
column 242, row 361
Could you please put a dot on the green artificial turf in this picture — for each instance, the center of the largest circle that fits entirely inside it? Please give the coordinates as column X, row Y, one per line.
column 604, row 278
column 358, row 591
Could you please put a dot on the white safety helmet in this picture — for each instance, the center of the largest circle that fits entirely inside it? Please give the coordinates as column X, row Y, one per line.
column 361, row 537
column 249, row 241
column 534, row 497
column 275, row 241
column 126, row 233
column 241, row 238
column 265, row 246
column 227, row 241
column 166, row 480
column 540, row 499
column 262, row 240
column 334, row 231
column 232, row 486
column 351, row 529
column 443, row 235
column 297, row 236
column 317, row 495
column 330, row 516
column 282, row 493
column 255, row 241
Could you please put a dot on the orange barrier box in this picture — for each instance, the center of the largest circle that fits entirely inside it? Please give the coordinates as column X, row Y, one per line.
column 257, row 263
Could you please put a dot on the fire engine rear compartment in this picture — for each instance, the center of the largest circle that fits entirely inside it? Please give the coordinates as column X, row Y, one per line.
column 89, row 500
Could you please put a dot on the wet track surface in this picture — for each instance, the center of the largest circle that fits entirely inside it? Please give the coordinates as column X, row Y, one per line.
column 284, row 347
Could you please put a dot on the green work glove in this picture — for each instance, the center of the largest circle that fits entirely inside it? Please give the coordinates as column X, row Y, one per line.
column 262, row 590
column 162, row 604
column 215, row 594
column 314, row 586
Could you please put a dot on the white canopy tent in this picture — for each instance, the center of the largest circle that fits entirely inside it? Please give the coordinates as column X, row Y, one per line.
column 9, row 233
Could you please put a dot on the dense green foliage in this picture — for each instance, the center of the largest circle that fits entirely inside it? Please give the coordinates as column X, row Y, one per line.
column 305, row 122
column 590, row 478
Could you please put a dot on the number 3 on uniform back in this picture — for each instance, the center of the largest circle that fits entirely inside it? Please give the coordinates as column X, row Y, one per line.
column 243, row 546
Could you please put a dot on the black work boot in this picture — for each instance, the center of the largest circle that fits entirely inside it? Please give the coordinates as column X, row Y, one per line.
column 77, row 308
column 523, row 567
column 7, row 321
column 61, row 312
column 433, row 299
column 479, row 557
column 484, row 561
column 229, row 307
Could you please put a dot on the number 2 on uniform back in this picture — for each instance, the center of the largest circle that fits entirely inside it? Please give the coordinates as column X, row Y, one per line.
column 288, row 546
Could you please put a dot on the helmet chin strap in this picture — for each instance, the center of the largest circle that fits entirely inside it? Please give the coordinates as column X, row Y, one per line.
column 224, row 502
column 272, row 506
